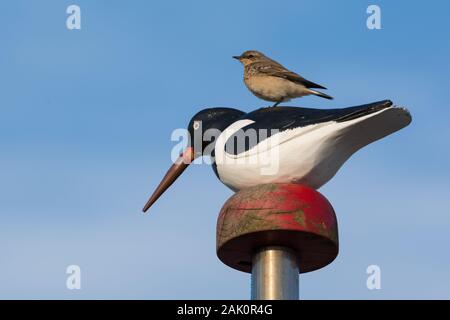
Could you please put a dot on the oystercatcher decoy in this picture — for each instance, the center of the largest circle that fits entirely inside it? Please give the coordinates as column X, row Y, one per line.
column 284, row 144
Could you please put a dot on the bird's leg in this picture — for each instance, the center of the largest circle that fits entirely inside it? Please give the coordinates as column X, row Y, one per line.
column 277, row 103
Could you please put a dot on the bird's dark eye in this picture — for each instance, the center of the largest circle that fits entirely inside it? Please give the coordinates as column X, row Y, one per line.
column 250, row 56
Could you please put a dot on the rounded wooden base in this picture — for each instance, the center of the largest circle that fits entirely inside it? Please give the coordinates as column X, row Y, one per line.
column 287, row 215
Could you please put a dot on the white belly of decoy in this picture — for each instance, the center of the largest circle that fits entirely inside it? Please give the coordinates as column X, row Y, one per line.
column 308, row 155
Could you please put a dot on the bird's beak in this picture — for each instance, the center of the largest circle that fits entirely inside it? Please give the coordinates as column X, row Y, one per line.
column 172, row 174
column 237, row 57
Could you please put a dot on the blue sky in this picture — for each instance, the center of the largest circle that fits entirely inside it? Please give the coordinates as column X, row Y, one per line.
column 85, row 123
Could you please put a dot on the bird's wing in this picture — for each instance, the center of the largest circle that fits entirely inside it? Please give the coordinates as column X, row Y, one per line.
column 277, row 70
column 285, row 118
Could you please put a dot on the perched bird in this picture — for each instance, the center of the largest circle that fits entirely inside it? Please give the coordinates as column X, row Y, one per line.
column 269, row 80
column 304, row 145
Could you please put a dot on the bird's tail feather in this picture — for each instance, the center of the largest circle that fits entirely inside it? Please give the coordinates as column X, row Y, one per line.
column 320, row 94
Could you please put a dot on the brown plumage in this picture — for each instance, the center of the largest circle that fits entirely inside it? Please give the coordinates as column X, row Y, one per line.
column 271, row 81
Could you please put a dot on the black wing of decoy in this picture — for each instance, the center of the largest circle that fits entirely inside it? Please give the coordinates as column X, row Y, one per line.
column 286, row 118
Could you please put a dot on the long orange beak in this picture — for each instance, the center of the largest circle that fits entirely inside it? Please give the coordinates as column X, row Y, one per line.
column 174, row 172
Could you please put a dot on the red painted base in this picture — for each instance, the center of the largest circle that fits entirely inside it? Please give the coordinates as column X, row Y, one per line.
column 288, row 215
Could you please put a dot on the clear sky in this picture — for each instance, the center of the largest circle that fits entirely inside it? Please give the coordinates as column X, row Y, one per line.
column 85, row 123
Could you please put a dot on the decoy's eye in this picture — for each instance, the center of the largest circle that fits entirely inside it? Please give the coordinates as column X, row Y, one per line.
column 196, row 125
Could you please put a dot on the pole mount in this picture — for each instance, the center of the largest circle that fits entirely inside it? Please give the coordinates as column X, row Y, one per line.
column 291, row 216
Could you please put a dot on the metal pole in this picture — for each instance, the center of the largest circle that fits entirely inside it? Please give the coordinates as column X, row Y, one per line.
column 275, row 274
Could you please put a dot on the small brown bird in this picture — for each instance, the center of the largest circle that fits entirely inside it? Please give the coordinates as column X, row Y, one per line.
column 269, row 80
